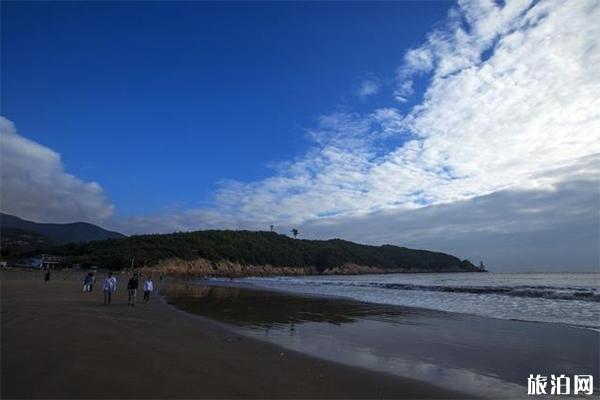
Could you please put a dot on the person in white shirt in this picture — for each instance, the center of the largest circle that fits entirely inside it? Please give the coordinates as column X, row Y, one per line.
column 148, row 288
column 108, row 287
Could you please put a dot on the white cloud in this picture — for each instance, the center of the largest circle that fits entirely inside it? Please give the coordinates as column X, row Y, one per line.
column 470, row 29
column 368, row 87
column 532, row 105
column 35, row 185
column 507, row 125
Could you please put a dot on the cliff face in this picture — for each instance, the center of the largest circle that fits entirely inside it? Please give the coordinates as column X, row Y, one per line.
column 228, row 269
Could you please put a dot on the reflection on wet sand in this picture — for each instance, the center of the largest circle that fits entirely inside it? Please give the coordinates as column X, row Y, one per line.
column 481, row 356
column 265, row 309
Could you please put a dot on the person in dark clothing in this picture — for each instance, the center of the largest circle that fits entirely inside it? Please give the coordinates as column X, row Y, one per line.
column 47, row 276
column 93, row 277
column 132, row 287
column 87, row 282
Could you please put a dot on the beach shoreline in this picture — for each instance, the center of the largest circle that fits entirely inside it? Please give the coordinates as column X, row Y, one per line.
column 476, row 355
column 58, row 342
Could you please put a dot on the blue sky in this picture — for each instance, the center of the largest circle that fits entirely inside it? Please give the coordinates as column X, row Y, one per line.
column 467, row 127
column 160, row 101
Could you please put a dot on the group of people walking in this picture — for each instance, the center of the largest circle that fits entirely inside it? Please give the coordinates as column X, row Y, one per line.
column 109, row 286
column 132, row 288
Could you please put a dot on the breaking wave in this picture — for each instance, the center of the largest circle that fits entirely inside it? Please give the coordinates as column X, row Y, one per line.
column 518, row 291
column 547, row 292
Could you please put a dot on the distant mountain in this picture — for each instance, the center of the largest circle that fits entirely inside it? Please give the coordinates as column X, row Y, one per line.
column 15, row 227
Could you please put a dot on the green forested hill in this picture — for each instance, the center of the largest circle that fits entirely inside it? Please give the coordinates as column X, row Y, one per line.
column 253, row 248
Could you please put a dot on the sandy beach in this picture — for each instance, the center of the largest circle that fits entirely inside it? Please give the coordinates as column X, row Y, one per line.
column 58, row 342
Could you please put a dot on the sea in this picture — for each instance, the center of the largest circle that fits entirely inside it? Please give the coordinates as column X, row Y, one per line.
column 554, row 297
column 481, row 334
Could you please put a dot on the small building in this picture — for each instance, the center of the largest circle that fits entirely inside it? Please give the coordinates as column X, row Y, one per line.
column 52, row 262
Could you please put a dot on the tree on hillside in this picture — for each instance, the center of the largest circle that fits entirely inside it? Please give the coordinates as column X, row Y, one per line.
column 294, row 232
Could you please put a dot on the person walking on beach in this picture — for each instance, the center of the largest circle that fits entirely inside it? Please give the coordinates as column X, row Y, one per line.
column 87, row 282
column 109, row 286
column 132, row 287
column 92, row 280
column 148, row 288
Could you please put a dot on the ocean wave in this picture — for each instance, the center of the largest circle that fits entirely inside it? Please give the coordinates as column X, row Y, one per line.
column 519, row 291
column 547, row 292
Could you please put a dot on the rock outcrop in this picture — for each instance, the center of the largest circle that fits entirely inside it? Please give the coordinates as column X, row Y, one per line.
column 203, row 267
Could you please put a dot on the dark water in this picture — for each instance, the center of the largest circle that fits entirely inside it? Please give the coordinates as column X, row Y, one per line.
column 477, row 355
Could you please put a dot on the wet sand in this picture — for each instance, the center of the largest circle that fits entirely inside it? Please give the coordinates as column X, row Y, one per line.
column 477, row 355
column 58, row 342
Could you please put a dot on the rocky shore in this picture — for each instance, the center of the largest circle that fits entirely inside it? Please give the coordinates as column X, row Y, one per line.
column 203, row 267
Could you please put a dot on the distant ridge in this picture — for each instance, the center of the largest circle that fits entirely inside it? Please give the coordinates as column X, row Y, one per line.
column 242, row 253
column 56, row 233
column 217, row 252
